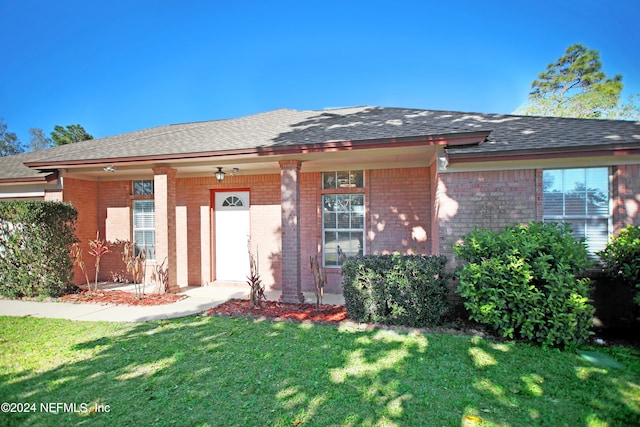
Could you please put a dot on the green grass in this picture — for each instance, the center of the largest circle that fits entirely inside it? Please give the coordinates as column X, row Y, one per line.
column 213, row 371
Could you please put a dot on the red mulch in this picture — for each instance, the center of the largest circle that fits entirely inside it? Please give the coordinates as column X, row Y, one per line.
column 120, row 298
column 280, row 311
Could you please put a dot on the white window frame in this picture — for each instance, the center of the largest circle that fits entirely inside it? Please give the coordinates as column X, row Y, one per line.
column 569, row 218
column 146, row 198
column 337, row 229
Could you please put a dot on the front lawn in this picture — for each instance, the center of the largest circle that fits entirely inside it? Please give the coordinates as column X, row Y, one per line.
column 212, row 371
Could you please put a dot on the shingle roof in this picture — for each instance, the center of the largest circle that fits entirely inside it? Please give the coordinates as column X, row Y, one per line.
column 527, row 134
column 12, row 168
column 279, row 128
column 288, row 128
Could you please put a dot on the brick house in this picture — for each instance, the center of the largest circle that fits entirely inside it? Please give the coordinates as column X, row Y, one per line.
column 333, row 184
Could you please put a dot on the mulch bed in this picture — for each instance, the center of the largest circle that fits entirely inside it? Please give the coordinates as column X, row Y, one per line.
column 281, row 311
column 120, row 298
column 333, row 314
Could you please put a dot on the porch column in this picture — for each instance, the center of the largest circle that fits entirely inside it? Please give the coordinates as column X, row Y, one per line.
column 435, row 209
column 164, row 183
column 290, row 191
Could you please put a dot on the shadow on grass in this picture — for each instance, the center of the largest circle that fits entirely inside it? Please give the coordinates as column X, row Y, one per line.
column 221, row 371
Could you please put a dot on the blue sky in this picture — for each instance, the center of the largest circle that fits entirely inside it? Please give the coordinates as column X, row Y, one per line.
column 118, row 66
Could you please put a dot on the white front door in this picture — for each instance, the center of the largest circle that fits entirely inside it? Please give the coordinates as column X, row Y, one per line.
column 232, row 236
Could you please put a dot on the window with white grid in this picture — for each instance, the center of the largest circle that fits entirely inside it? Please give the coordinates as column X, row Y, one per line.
column 144, row 219
column 579, row 197
column 342, row 227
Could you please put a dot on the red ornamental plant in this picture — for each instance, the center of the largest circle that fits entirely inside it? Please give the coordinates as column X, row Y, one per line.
column 135, row 265
column 76, row 252
column 98, row 248
column 256, row 293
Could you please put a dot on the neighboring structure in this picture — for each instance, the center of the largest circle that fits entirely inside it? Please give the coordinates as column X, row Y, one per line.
column 333, row 183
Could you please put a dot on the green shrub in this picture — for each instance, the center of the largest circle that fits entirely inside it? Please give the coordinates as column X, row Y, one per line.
column 522, row 282
column 406, row 290
column 621, row 258
column 35, row 238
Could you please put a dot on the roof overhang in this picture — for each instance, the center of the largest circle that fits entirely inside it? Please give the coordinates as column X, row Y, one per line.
column 549, row 153
column 457, row 139
column 42, row 179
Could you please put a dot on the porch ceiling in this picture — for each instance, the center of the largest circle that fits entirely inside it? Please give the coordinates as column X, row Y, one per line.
column 252, row 164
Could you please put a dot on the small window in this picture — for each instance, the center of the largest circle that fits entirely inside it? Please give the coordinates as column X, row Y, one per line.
column 342, row 179
column 143, row 188
column 579, row 197
column 233, row 201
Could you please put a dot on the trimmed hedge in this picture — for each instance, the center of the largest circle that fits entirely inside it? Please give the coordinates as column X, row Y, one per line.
column 408, row 290
column 35, row 239
column 523, row 283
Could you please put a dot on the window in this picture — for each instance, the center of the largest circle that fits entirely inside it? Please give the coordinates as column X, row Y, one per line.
column 232, row 201
column 143, row 188
column 579, row 197
column 343, row 227
column 144, row 218
column 342, row 179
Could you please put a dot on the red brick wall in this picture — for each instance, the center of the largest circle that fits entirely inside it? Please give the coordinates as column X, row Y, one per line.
column 399, row 215
column 399, row 211
column 311, row 227
column 410, row 210
column 398, row 203
column 83, row 195
column 194, row 194
column 114, row 223
column 103, row 207
column 491, row 200
column 626, row 196
column 266, row 225
column 291, row 219
column 164, row 183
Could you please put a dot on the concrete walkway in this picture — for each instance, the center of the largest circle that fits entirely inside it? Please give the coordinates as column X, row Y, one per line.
column 198, row 300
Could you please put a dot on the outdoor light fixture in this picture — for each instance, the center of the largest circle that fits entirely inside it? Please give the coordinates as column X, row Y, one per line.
column 220, row 175
column 443, row 162
column 109, row 168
